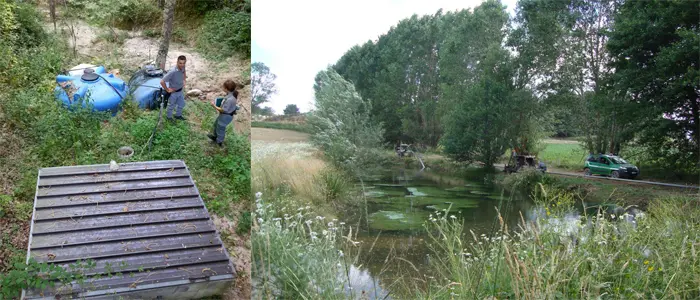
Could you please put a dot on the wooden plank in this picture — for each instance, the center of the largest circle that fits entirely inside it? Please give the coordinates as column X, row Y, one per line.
column 120, row 220
column 116, row 197
column 113, row 177
column 50, row 213
column 121, row 248
column 113, row 187
column 120, row 234
column 194, row 272
column 154, row 261
column 123, row 167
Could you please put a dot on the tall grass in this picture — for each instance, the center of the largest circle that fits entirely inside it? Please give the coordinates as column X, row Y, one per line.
column 296, row 171
column 299, row 250
column 296, row 254
column 563, row 256
column 301, row 255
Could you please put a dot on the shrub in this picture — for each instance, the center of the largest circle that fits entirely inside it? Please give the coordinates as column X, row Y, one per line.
column 245, row 222
column 202, row 7
column 116, row 37
column 152, row 33
column 333, row 184
column 125, row 14
column 64, row 135
column 28, row 32
column 224, row 33
column 180, row 35
column 523, row 180
column 296, row 255
column 558, row 255
column 135, row 13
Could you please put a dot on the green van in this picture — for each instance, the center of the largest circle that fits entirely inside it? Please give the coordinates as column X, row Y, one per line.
column 609, row 165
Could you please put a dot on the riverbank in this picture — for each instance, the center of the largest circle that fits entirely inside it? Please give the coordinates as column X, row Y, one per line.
column 619, row 255
column 383, row 260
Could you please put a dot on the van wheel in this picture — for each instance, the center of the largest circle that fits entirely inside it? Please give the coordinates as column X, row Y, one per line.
column 587, row 172
column 615, row 174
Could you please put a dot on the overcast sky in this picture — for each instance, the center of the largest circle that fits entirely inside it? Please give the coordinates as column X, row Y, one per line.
column 296, row 39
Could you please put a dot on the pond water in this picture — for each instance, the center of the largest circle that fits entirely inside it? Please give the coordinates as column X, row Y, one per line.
column 398, row 204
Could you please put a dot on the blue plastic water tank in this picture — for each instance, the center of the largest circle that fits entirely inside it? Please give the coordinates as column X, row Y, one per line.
column 96, row 86
column 145, row 86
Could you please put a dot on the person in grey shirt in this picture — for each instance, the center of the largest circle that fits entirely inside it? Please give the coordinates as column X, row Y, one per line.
column 226, row 112
column 175, row 80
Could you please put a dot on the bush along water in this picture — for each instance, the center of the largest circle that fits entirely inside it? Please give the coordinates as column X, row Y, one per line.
column 296, row 254
column 301, row 255
column 559, row 255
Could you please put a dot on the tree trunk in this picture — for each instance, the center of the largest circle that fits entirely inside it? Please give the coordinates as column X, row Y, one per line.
column 52, row 10
column 695, row 110
column 168, row 15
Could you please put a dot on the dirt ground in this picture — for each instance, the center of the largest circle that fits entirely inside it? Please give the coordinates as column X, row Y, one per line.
column 278, row 135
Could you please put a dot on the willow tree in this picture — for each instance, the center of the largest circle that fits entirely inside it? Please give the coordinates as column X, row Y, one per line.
column 341, row 123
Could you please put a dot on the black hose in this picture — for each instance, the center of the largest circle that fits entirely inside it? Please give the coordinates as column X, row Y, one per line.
column 110, row 85
column 153, row 134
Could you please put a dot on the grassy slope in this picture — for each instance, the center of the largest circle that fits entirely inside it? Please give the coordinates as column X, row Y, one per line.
column 43, row 134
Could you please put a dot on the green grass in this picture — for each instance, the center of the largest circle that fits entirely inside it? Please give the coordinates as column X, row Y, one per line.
column 622, row 193
column 278, row 125
column 224, row 33
column 564, row 156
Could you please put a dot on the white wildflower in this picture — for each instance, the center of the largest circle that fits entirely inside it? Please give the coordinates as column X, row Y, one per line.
column 258, row 195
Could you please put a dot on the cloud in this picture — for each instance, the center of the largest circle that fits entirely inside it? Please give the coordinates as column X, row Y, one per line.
column 296, row 39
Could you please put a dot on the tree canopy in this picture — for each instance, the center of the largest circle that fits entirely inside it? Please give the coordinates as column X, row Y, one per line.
column 616, row 73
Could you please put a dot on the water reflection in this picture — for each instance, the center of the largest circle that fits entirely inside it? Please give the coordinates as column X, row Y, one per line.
column 398, row 204
column 363, row 285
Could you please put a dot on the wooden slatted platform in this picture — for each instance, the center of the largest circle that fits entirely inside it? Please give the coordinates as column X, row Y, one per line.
column 144, row 230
